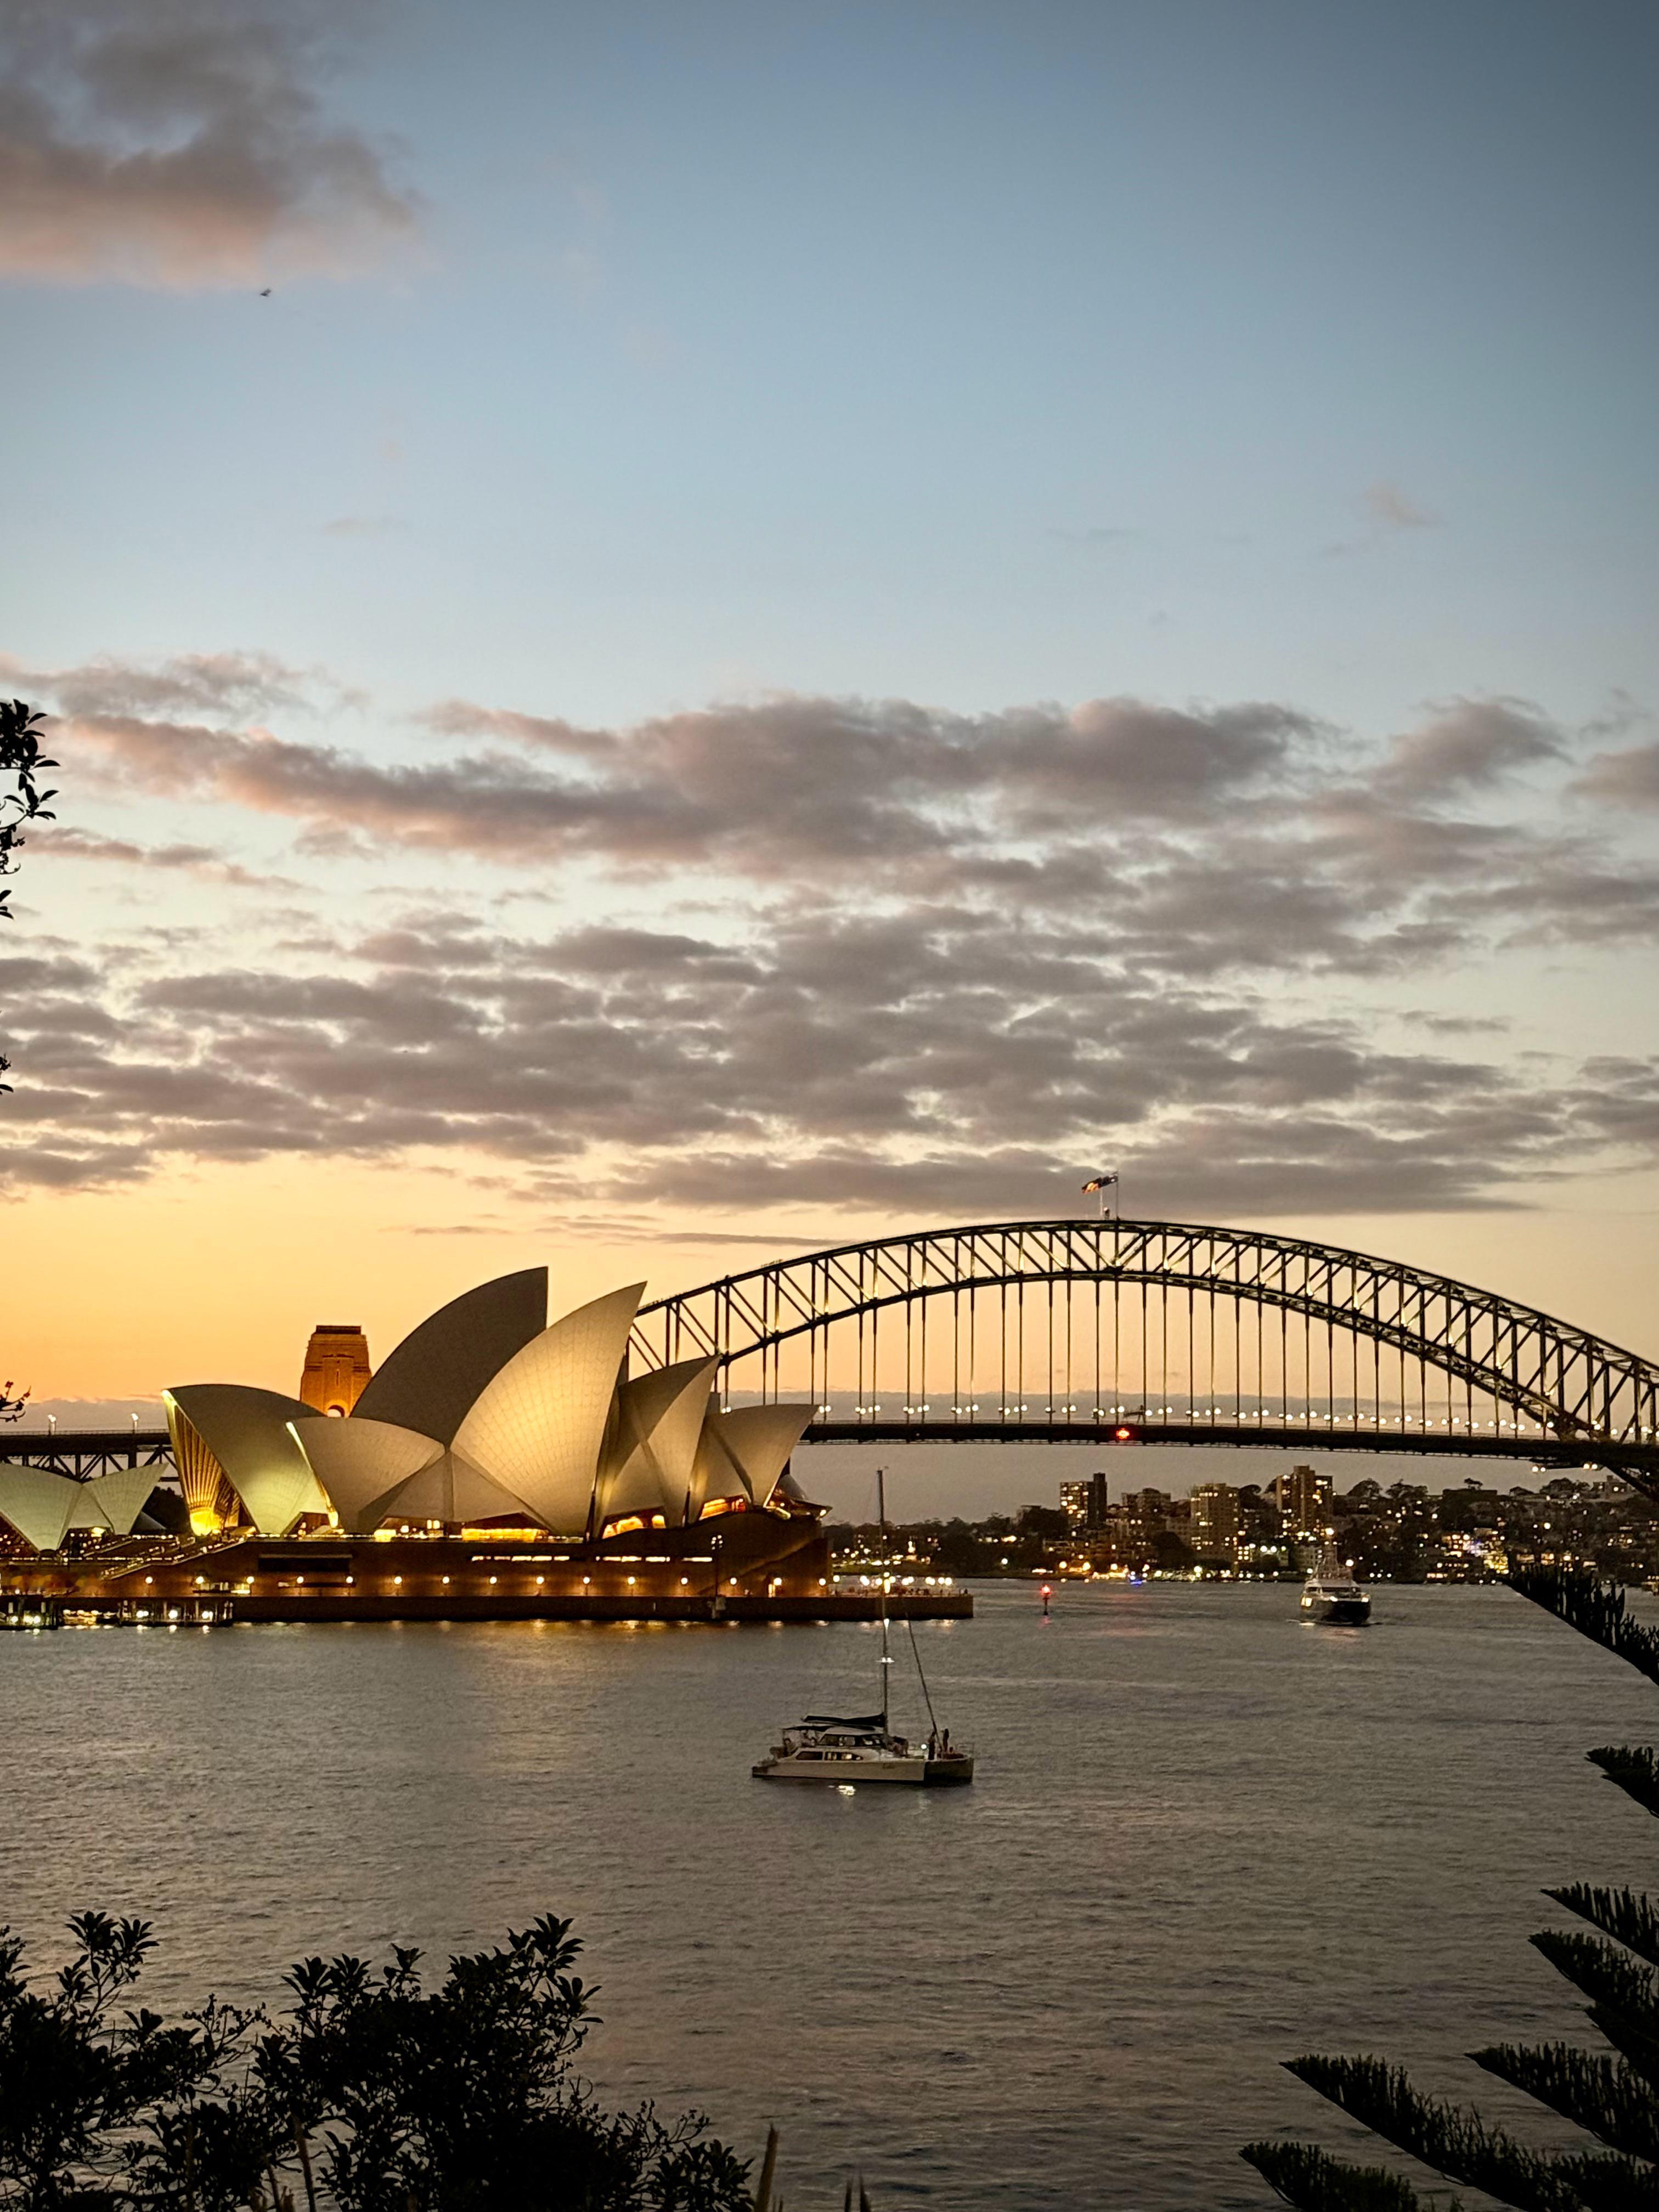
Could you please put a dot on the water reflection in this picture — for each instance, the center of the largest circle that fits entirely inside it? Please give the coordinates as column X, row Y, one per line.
column 1204, row 1836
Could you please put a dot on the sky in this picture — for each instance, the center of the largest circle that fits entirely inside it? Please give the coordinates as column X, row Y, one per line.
column 680, row 633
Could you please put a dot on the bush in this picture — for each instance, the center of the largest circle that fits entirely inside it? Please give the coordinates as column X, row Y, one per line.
column 368, row 2094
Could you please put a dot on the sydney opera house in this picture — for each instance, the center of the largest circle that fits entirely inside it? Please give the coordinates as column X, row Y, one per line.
column 492, row 1466
column 485, row 1413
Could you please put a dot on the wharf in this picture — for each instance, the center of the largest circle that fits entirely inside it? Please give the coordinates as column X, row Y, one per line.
column 738, row 1573
column 945, row 1605
column 30, row 1614
column 226, row 1609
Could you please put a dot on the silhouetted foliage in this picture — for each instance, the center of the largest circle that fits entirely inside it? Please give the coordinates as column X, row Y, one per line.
column 21, row 760
column 1614, row 2098
column 370, row 2094
column 1600, row 2094
column 1629, row 1919
column 1634, row 1769
column 1320, row 2183
column 1594, row 1608
column 21, row 800
column 958, row 1552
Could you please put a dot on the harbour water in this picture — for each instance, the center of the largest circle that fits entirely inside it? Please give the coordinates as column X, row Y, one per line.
column 1206, row 1836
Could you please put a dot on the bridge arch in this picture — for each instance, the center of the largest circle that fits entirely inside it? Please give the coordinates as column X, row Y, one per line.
column 1425, row 1362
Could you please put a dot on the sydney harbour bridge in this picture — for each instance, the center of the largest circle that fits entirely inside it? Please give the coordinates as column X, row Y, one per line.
column 1126, row 1333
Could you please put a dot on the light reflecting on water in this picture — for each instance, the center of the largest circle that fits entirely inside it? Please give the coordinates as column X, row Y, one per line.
column 1204, row 1836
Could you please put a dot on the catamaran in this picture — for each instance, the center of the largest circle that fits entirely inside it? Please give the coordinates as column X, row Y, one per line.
column 834, row 1748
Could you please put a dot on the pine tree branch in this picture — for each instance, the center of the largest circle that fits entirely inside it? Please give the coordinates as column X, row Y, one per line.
column 1454, row 2143
column 1600, row 2094
column 1605, row 1975
column 1639, row 2050
column 1313, row 2181
column 1594, row 1608
column 1629, row 1919
column 1605, row 2184
column 1634, row 1768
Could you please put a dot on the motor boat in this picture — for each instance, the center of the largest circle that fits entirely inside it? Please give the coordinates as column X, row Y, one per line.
column 1332, row 1596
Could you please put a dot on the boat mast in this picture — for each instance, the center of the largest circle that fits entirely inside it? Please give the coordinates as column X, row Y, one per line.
column 886, row 1656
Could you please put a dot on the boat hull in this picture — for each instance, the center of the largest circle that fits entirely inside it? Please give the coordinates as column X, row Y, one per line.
column 1337, row 1612
column 843, row 1773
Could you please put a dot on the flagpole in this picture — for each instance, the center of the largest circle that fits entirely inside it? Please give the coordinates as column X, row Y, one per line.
column 1100, row 1185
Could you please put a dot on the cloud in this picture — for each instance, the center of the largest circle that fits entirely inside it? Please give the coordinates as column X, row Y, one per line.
column 1389, row 508
column 364, row 525
column 1240, row 835
column 71, row 844
column 866, row 953
column 1469, row 745
column 798, row 755
column 923, row 1060
column 1236, row 837
column 183, row 144
column 768, row 790
column 214, row 684
column 1098, row 534
column 1116, row 756
column 1630, row 778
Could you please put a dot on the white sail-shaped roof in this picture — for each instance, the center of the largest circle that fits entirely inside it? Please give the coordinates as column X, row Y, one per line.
column 357, row 1462
column 652, row 1450
column 742, row 1454
column 248, row 1432
column 118, row 1497
column 433, row 1379
column 537, row 1428
column 38, row 1503
column 111, row 1501
column 447, row 1489
column 208, row 1496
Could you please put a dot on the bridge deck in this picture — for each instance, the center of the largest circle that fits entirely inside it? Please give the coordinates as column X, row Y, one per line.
column 1265, row 1436
column 92, row 1451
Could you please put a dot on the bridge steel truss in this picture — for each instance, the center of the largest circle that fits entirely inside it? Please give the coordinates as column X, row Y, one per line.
column 83, row 1453
column 1086, row 1330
